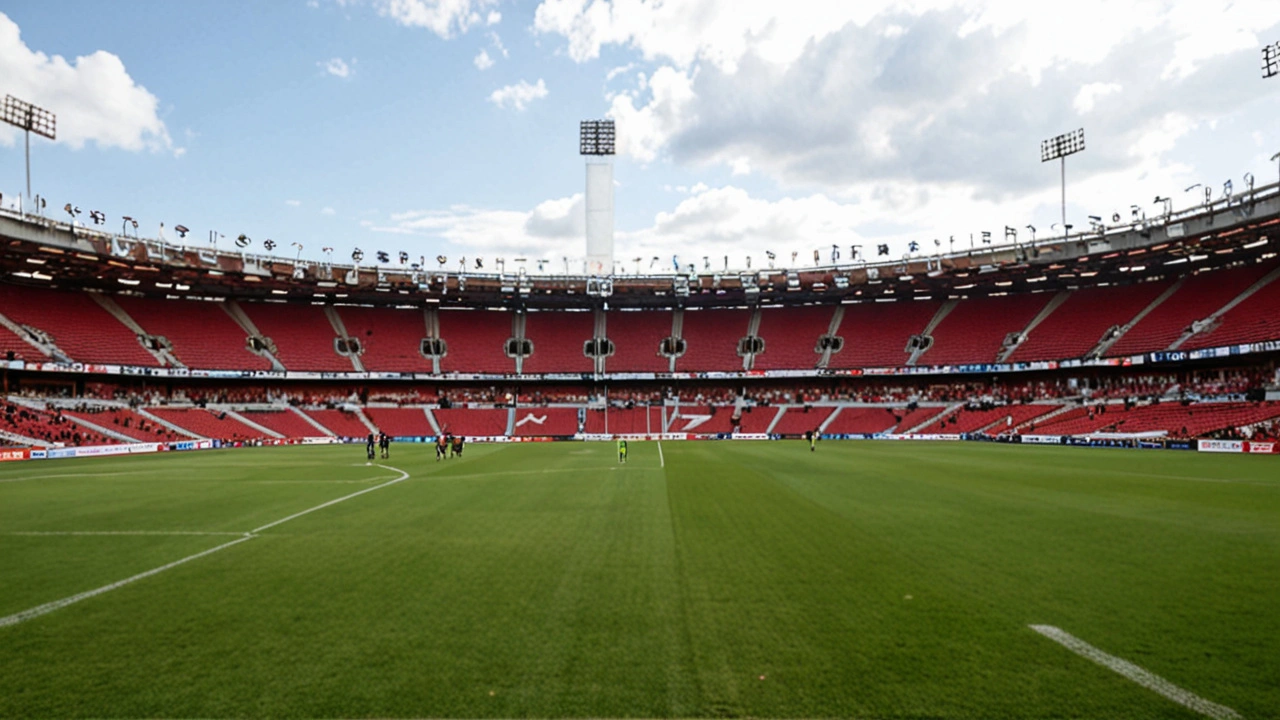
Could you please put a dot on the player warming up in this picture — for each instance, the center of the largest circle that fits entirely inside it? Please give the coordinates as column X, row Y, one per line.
column 442, row 445
column 456, row 451
column 384, row 443
column 622, row 452
column 368, row 446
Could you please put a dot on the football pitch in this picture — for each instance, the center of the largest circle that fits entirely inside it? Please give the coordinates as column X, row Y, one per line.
column 730, row 579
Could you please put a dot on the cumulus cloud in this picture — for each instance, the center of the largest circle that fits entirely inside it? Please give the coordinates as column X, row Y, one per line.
column 518, row 96
column 825, row 95
column 93, row 96
column 554, row 227
column 337, row 67
column 483, row 61
column 445, row 18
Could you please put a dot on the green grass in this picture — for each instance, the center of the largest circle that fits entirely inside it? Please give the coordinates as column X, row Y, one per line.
column 743, row 579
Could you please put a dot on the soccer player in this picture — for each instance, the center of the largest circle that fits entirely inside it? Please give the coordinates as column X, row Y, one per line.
column 384, row 442
column 442, row 444
column 368, row 446
column 813, row 439
column 622, row 451
column 457, row 446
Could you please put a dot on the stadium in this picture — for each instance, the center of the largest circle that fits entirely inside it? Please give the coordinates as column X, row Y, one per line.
column 1032, row 475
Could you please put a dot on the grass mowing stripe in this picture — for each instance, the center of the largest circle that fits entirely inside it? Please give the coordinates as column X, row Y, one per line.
column 1144, row 678
column 47, row 608
column 42, row 533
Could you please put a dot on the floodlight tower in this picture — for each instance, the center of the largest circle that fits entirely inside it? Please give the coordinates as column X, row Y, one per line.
column 596, row 144
column 29, row 118
column 1058, row 148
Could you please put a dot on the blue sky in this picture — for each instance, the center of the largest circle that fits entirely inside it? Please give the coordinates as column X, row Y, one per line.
column 743, row 127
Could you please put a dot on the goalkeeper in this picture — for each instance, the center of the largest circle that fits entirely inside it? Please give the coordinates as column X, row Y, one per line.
column 622, row 451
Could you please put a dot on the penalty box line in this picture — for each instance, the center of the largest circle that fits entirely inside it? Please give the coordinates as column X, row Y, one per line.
column 1145, row 678
column 47, row 608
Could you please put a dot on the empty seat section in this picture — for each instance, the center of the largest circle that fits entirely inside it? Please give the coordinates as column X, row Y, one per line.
column 711, row 340
column 285, row 422
column 537, row 421
column 971, row 421
column 1077, row 325
column 485, row 422
column 1256, row 319
column 390, row 339
column 1198, row 298
column 615, row 421
column 876, row 334
column 303, row 336
column 476, row 341
column 400, row 422
column 10, row 343
column 791, row 337
column 757, row 420
column 77, row 324
column 558, row 337
column 913, row 418
column 342, row 423
column 701, row 420
column 203, row 335
column 798, row 420
column 207, row 423
column 636, row 336
column 127, row 422
column 862, row 420
column 974, row 331
column 1079, row 421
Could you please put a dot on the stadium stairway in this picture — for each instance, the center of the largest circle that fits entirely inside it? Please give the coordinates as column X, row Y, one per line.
column 927, row 332
column 833, row 328
column 340, row 329
column 172, row 426
column 1042, row 419
column 241, row 418
column 1012, row 344
column 1211, row 323
column 162, row 355
column 21, row 341
column 935, row 418
column 237, row 313
column 312, row 422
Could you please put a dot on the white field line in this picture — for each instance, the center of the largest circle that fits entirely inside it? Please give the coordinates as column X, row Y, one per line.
column 1144, row 678
column 47, row 608
column 73, row 475
column 662, row 462
column 42, row 533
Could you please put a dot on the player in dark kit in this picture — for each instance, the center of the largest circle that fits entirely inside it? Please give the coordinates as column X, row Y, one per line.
column 458, row 442
column 368, row 446
column 384, row 443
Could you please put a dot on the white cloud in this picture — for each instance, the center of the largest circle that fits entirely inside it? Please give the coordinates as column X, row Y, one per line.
column 445, row 18
column 496, row 41
column 293, row 203
column 94, row 97
column 1089, row 95
column 328, row 211
column 493, row 18
column 337, row 67
column 483, row 61
column 518, row 96
column 554, row 227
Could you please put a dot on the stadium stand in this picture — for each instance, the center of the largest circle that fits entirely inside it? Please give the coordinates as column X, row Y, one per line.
column 636, row 337
column 558, row 338
column 1199, row 297
column 974, row 331
column 1255, row 319
column 799, row 420
column 128, row 423
column 79, row 326
column 203, row 335
column 546, row 421
column 862, row 420
column 1175, row 419
column 624, row 421
column 400, row 422
column 390, row 338
column 876, row 334
column 13, row 347
column 302, row 335
column 471, row 422
column 1076, row 326
column 341, row 423
column 973, row 419
column 911, row 419
column 285, row 422
column 757, row 420
column 476, row 340
column 702, row 419
column 49, row 427
column 711, row 340
column 790, row 336
column 207, row 423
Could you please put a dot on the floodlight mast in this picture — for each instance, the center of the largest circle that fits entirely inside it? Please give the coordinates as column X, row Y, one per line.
column 596, row 143
column 29, row 118
column 1058, row 148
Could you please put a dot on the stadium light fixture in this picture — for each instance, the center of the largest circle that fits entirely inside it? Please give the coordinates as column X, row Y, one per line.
column 29, row 119
column 1058, row 148
column 597, row 137
column 1271, row 60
